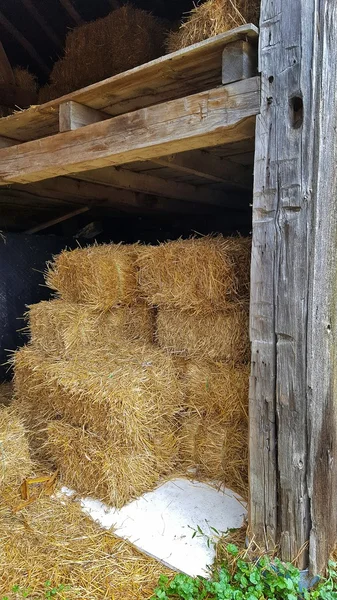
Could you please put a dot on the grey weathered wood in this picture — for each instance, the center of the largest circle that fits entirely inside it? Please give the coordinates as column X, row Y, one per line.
column 52, row 222
column 239, row 61
column 73, row 115
column 293, row 414
column 210, row 118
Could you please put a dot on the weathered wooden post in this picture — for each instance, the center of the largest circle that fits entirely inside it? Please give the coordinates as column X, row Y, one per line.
column 293, row 403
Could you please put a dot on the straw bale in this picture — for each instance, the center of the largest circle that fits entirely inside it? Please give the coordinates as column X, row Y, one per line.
column 93, row 467
column 6, row 393
column 212, row 18
column 101, row 276
column 64, row 329
column 221, row 335
column 15, row 460
column 25, row 79
column 125, row 38
column 200, row 275
column 129, row 398
column 52, row 540
column 216, row 387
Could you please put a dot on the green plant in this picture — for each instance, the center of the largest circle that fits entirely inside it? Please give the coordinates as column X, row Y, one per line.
column 265, row 579
column 50, row 591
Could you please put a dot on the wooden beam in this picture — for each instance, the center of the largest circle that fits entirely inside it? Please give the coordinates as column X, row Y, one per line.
column 201, row 163
column 206, row 119
column 6, row 142
column 15, row 33
column 73, row 115
column 72, row 12
column 293, row 409
column 31, row 8
column 147, row 184
column 239, row 61
column 58, row 220
column 6, row 71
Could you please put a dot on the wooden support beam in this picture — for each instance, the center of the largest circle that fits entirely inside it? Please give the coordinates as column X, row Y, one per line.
column 293, row 409
column 6, row 71
column 7, row 143
column 201, row 163
column 147, row 184
column 31, row 8
column 239, row 61
column 73, row 115
column 58, row 220
column 20, row 38
column 225, row 114
column 72, row 12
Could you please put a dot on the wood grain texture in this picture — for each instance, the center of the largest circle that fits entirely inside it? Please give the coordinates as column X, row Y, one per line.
column 239, row 61
column 292, row 411
column 225, row 114
column 185, row 72
column 73, row 115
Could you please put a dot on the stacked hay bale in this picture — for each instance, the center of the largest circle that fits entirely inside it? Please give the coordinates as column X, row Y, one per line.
column 125, row 38
column 212, row 18
column 200, row 289
column 100, row 399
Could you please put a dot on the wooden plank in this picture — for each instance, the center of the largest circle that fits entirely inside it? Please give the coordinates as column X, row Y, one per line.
column 293, row 466
column 201, row 120
column 73, row 115
column 72, row 12
column 203, row 164
column 15, row 33
column 7, row 143
column 239, row 61
column 30, row 6
column 187, row 71
column 148, row 184
column 6, row 71
column 57, row 220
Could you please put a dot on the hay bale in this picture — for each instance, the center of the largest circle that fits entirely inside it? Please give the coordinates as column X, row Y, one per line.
column 216, row 448
column 25, row 79
column 52, row 540
column 198, row 275
column 6, row 393
column 93, row 467
column 127, row 398
column 125, row 38
column 65, row 329
column 212, row 18
column 15, row 460
column 217, row 388
column 100, row 276
column 220, row 335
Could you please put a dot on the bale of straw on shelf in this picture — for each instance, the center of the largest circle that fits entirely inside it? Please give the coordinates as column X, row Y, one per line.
column 6, row 393
column 25, row 79
column 51, row 540
column 125, row 38
column 102, row 276
column 15, row 460
column 64, row 329
column 217, row 449
column 212, row 18
column 219, row 335
column 197, row 275
column 129, row 398
column 94, row 467
column 214, row 387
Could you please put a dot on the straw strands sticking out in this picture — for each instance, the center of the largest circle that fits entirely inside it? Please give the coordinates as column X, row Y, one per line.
column 65, row 329
column 219, row 335
column 6, row 393
column 15, row 461
column 52, row 540
column 95, row 467
column 198, row 275
column 100, row 276
column 212, row 18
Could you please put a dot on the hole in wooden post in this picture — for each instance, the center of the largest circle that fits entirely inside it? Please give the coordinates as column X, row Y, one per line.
column 296, row 111
column 271, row 79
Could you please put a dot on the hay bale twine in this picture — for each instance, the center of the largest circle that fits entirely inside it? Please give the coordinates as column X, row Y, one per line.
column 125, row 38
column 212, row 18
column 102, row 276
column 223, row 335
column 198, row 275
